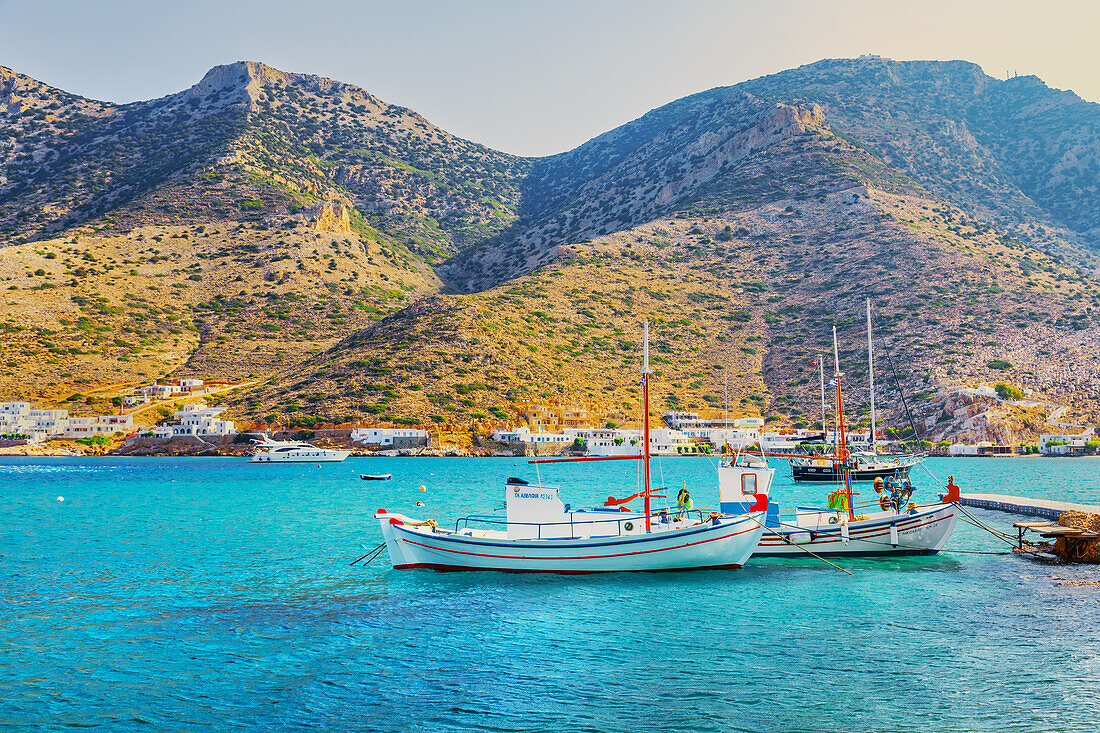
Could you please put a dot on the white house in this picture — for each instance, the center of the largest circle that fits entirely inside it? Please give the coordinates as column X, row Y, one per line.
column 737, row 438
column 15, row 418
column 616, row 442
column 1067, row 444
column 50, row 422
column 523, row 434
column 391, row 437
column 196, row 420
column 83, row 427
column 19, row 418
column 161, row 391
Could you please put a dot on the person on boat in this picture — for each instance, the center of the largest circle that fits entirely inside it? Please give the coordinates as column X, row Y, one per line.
column 684, row 503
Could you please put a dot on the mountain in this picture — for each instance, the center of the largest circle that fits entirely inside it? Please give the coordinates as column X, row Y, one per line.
column 246, row 142
column 357, row 262
column 1013, row 152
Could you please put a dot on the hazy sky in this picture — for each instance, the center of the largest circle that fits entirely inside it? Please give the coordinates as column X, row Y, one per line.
column 530, row 77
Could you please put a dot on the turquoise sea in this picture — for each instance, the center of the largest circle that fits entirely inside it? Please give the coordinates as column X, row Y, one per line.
column 203, row 593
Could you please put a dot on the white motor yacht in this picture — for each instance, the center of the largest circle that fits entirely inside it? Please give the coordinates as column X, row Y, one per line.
column 277, row 451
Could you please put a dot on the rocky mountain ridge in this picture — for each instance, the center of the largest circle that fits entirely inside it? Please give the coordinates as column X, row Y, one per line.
column 298, row 224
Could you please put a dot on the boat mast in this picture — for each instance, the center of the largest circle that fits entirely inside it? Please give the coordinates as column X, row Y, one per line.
column 871, row 376
column 841, row 452
column 645, row 418
column 821, row 376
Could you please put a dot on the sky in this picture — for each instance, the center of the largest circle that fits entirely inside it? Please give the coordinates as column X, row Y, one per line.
column 531, row 77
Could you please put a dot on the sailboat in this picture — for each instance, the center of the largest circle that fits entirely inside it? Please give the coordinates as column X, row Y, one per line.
column 540, row 533
column 899, row 527
column 860, row 466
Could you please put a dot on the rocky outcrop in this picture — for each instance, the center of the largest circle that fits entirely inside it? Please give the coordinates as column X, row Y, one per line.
column 331, row 216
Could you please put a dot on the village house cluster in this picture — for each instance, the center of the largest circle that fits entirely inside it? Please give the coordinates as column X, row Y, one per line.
column 19, row 418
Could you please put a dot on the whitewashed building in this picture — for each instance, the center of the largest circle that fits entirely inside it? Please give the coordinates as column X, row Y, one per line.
column 737, row 438
column 161, row 391
column 198, row 421
column 20, row 419
column 523, row 434
column 619, row 442
column 1063, row 445
column 84, row 427
column 391, row 437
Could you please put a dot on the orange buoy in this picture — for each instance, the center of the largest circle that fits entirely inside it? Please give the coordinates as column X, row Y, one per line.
column 421, row 488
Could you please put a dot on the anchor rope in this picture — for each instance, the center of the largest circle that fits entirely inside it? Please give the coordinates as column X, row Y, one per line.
column 375, row 552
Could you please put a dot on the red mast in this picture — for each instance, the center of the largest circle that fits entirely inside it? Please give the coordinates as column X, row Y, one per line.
column 841, row 451
column 645, row 418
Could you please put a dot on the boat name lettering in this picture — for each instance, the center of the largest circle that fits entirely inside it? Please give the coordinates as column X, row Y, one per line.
column 530, row 495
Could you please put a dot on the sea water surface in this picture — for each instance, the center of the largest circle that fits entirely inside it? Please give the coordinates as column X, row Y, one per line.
column 208, row 593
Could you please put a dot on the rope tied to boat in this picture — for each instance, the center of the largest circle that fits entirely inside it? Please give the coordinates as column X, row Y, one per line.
column 808, row 552
column 375, row 552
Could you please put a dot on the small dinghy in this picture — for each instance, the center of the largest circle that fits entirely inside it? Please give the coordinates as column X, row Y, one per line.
column 376, row 476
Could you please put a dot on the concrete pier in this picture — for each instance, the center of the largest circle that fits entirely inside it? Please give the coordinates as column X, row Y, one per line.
column 1025, row 505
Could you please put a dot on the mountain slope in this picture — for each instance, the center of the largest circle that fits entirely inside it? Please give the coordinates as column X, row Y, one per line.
column 744, row 302
column 247, row 141
column 293, row 230
column 1014, row 153
column 1010, row 150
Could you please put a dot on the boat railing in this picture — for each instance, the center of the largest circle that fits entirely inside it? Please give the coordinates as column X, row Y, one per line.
column 661, row 517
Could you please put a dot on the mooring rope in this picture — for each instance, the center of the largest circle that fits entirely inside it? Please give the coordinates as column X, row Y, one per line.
column 980, row 524
column 819, row 557
column 375, row 552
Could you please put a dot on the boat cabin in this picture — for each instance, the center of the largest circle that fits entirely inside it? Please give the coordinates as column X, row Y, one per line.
column 741, row 482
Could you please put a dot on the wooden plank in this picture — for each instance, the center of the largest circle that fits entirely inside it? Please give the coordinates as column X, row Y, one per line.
column 1056, row 531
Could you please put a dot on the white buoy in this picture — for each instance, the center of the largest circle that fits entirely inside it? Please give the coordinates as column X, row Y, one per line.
column 61, row 498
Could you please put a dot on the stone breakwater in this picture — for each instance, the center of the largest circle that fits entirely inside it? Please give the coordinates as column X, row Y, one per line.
column 1084, row 547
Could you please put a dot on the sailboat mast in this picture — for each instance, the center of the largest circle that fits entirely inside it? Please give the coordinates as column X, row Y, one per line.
column 645, row 417
column 842, row 442
column 821, row 376
column 871, row 377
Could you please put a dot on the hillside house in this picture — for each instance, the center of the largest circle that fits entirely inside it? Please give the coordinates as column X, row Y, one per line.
column 196, row 421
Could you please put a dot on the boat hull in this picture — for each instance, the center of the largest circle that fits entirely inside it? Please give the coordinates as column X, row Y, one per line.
column 831, row 475
column 922, row 532
column 329, row 457
column 726, row 544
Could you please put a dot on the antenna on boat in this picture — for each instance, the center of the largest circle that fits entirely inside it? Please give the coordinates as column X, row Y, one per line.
column 871, row 377
column 645, row 418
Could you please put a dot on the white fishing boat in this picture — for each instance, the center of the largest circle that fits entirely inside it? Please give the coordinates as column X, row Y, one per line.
column 276, row 451
column 542, row 534
column 896, row 526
